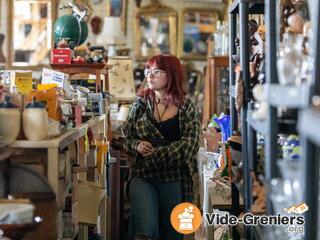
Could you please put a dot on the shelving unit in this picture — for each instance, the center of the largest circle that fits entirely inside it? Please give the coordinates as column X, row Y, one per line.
column 292, row 97
column 243, row 8
column 53, row 147
column 310, row 142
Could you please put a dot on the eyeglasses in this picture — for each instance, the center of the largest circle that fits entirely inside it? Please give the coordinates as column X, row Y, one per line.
column 155, row 72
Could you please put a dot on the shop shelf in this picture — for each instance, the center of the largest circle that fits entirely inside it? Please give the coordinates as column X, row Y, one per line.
column 61, row 141
column 257, row 125
column 286, row 126
column 309, row 125
column 289, row 96
column 95, row 120
column 232, row 91
column 255, row 7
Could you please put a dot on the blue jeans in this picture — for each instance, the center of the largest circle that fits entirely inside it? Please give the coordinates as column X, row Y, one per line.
column 151, row 206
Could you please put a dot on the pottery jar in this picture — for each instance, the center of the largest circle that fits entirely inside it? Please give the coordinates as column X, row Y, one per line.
column 35, row 121
column 9, row 121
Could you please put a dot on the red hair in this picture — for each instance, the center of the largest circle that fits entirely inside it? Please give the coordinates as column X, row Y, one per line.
column 175, row 74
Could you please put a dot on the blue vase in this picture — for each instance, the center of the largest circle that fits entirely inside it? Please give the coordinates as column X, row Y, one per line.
column 224, row 124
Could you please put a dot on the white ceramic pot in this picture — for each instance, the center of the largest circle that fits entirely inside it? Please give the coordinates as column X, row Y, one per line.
column 9, row 124
column 35, row 124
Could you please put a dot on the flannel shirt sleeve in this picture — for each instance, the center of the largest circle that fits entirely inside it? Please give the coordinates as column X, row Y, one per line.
column 131, row 140
column 179, row 152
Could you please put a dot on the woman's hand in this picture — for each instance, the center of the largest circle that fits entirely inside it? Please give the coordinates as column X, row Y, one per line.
column 145, row 148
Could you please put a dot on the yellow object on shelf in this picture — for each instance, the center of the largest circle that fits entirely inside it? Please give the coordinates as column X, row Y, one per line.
column 46, row 86
column 101, row 155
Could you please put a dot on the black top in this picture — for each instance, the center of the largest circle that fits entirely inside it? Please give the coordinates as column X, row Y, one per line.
column 170, row 128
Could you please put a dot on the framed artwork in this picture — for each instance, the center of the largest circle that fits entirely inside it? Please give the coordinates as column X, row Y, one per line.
column 118, row 8
column 155, row 31
column 121, row 81
column 196, row 25
column 29, row 27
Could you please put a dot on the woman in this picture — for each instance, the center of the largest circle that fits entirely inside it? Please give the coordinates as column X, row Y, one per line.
column 162, row 134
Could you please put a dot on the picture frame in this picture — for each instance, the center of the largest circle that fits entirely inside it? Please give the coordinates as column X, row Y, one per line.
column 119, row 8
column 121, row 81
column 155, row 31
column 196, row 25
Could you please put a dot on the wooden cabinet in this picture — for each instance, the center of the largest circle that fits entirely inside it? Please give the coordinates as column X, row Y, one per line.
column 53, row 149
column 216, row 93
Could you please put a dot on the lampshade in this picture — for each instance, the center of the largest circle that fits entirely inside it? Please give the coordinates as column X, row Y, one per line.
column 111, row 32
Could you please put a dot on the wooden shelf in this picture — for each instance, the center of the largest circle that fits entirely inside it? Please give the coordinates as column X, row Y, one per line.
column 61, row 141
column 5, row 153
column 79, row 65
column 88, row 68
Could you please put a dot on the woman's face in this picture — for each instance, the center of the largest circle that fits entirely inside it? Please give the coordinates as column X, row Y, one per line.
column 156, row 78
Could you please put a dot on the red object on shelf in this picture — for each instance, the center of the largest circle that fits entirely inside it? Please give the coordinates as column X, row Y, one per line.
column 77, row 115
column 61, row 56
column 79, row 60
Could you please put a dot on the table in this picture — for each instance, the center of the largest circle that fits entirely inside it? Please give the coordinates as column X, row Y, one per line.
column 93, row 68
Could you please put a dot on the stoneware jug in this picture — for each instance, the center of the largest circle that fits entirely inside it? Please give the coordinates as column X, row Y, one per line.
column 9, row 122
column 35, row 121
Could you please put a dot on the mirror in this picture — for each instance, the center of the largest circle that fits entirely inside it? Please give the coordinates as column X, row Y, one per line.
column 30, row 27
column 155, row 31
column 196, row 25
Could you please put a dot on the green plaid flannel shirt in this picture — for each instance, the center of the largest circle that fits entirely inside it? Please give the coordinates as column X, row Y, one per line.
column 175, row 161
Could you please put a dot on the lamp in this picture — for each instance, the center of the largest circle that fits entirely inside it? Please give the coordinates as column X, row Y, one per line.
column 111, row 34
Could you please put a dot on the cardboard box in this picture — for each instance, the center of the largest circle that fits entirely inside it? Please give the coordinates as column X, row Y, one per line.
column 61, row 56
column 90, row 195
column 50, row 97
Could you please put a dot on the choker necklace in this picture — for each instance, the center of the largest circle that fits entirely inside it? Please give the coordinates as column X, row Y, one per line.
column 159, row 100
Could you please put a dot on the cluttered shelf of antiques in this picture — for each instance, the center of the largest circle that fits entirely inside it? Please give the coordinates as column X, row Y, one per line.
column 57, row 137
column 267, row 95
column 270, row 99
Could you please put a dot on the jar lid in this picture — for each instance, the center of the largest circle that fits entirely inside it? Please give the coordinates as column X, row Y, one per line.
column 7, row 103
column 35, row 104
